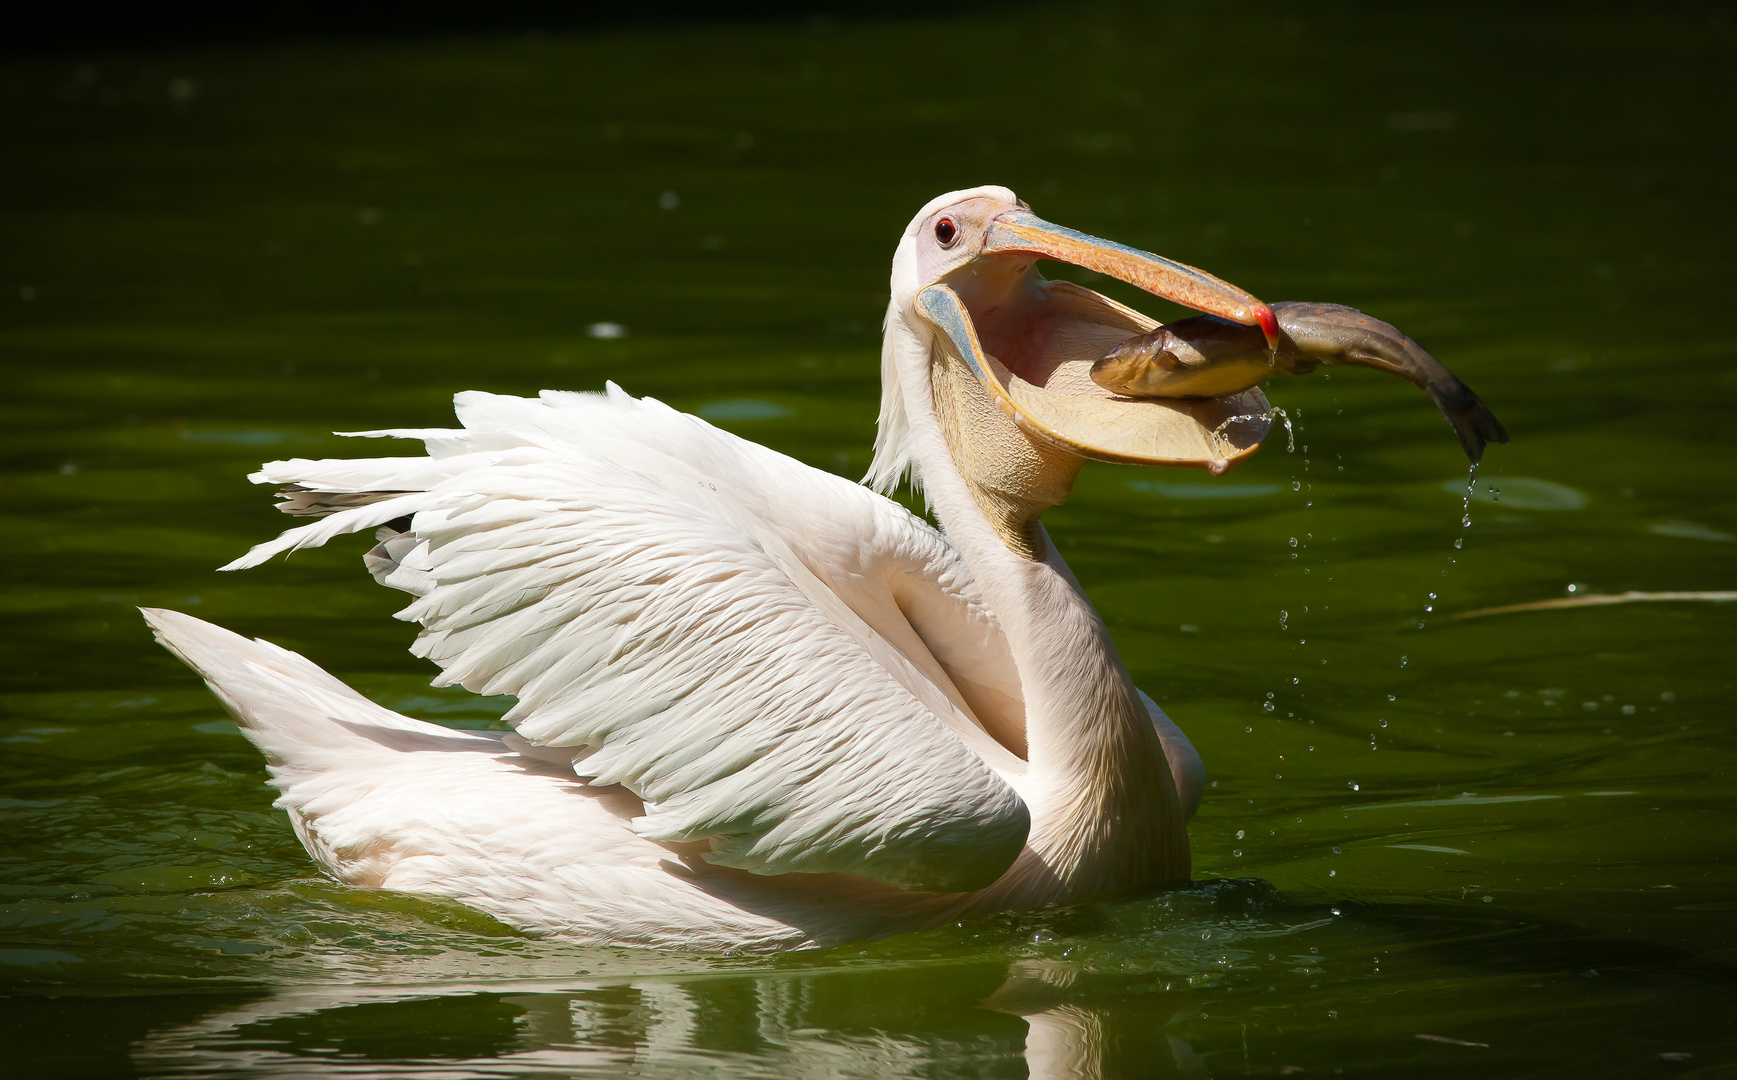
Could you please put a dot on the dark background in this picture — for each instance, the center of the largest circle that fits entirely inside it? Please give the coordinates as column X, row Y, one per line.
column 49, row 27
column 69, row 27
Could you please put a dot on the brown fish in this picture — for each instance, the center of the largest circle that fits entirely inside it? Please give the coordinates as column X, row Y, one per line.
column 1207, row 356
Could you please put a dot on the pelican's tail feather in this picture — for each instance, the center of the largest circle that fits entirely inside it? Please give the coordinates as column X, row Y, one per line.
column 331, row 752
column 301, row 717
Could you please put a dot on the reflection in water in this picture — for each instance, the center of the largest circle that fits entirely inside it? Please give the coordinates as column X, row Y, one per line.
column 807, row 1024
column 1071, row 1040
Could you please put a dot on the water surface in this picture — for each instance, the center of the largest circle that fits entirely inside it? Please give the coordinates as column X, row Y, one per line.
column 1433, row 846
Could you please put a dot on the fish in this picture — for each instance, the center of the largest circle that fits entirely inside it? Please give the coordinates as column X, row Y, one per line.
column 1206, row 356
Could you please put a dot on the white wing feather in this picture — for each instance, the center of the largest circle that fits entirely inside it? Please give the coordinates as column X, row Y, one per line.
column 735, row 637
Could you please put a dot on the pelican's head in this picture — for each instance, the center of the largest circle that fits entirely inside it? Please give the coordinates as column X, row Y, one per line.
column 1002, row 357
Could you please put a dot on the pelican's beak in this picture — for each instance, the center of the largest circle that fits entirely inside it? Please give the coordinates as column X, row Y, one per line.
column 1032, row 343
column 1021, row 232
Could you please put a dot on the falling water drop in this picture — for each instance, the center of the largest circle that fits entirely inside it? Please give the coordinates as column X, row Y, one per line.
column 1466, row 500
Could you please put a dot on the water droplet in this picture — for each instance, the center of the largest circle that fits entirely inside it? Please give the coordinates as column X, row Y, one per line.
column 1334, row 910
column 1489, row 899
column 1460, row 542
column 1353, row 786
column 1293, row 541
column 1466, row 521
column 1432, row 596
column 1390, row 697
column 1332, row 873
column 1270, row 695
column 1296, row 485
column 1239, row 834
column 1404, row 660
column 1337, row 850
column 1384, row 721
column 1295, row 681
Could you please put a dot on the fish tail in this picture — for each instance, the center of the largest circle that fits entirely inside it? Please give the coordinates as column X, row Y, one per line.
column 1472, row 420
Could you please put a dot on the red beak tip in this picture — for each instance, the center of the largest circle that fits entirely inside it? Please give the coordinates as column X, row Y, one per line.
column 1269, row 324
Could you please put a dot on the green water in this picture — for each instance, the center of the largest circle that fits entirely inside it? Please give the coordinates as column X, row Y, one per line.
column 1514, row 831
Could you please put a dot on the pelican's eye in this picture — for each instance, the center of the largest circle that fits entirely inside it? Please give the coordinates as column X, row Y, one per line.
column 946, row 232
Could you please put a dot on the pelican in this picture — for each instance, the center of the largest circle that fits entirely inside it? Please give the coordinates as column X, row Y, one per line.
column 760, row 706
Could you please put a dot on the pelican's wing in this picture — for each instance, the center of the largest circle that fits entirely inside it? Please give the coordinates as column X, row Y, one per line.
column 651, row 589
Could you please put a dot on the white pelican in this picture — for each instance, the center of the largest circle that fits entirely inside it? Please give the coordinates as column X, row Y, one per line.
column 760, row 706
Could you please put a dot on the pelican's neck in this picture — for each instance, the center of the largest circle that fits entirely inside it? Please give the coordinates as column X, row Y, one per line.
column 1105, row 815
